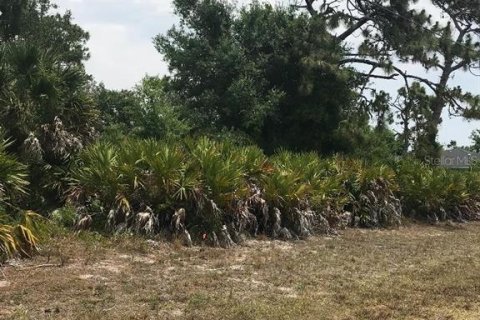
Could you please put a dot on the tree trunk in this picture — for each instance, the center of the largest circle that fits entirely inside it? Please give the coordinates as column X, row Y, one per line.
column 432, row 149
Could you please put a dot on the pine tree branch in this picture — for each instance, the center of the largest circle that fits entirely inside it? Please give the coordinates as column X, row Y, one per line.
column 379, row 76
column 429, row 83
column 360, row 23
column 310, row 9
column 460, row 65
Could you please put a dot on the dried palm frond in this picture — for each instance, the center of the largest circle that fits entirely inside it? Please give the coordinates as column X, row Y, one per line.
column 21, row 238
column 32, row 148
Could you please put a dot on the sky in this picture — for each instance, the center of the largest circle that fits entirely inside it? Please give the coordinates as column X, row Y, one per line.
column 122, row 51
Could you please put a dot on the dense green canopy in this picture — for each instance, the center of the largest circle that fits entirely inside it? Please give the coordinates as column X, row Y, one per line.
column 267, row 72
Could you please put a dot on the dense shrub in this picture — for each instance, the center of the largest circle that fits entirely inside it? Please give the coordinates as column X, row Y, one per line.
column 65, row 216
column 18, row 230
column 223, row 191
column 436, row 193
column 223, row 186
column 19, row 236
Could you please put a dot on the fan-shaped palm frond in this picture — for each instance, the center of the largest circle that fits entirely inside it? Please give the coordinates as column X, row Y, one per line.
column 13, row 174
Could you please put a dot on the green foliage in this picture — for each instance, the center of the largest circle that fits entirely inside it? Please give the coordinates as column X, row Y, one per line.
column 475, row 137
column 437, row 193
column 32, row 21
column 45, row 105
column 372, row 189
column 65, row 216
column 360, row 141
column 20, row 237
column 97, row 169
column 161, row 117
column 442, row 37
column 214, row 180
column 13, row 175
column 145, row 112
column 264, row 71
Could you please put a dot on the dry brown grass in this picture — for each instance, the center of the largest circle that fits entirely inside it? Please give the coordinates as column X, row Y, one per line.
column 417, row 272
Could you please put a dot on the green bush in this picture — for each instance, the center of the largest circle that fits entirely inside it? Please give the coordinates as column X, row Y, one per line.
column 437, row 193
column 65, row 216
column 222, row 183
column 19, row 233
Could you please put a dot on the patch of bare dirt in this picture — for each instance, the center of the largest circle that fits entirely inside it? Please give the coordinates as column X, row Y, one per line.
column 419, row 272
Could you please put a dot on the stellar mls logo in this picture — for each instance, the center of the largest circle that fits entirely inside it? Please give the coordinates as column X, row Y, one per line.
column 453, row 161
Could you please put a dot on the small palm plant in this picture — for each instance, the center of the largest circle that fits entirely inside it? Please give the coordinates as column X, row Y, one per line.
column 18, row 235
column 13, row 174
column 371, row 189
column 304, row 175
column 437, row 193
column 96, row 173
column 223, row 176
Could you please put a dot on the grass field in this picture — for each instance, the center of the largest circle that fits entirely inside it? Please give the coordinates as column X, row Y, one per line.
column 416, row 272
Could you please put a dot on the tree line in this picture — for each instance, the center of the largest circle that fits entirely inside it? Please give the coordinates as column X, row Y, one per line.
column 278, row 76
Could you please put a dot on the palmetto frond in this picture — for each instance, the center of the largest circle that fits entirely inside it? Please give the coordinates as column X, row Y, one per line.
column 222, row 183
column 97, row 172
column 13, row 174
column 21, row 237
column 166, row 164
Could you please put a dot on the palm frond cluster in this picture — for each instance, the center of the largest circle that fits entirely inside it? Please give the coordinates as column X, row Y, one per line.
column 436, row 193
column 19, row 236
column 18, row 232
column 221, row 192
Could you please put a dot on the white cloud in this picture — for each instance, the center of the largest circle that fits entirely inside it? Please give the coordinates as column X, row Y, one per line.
column 121, row 33
column 160, row 6
column 118, row 59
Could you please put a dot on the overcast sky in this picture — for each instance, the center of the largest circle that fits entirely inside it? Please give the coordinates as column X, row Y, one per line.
column 122, row 52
